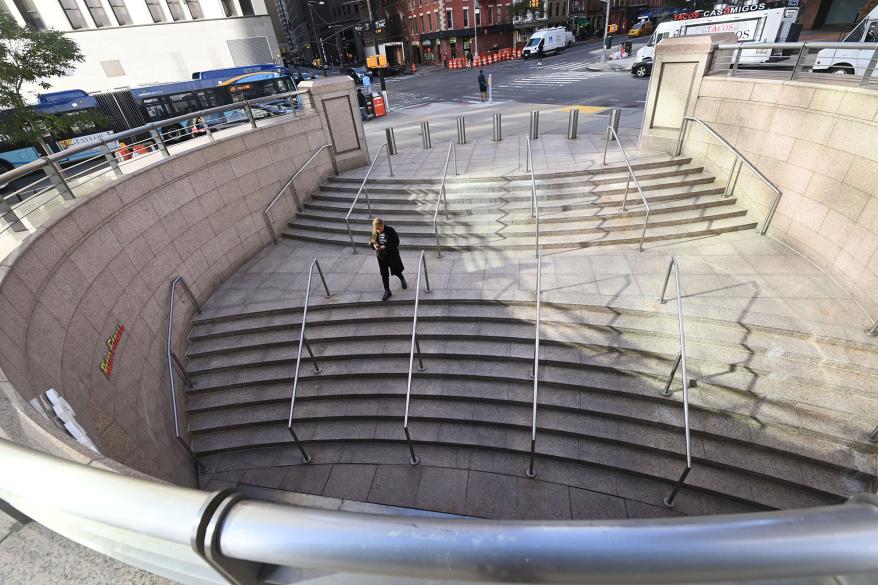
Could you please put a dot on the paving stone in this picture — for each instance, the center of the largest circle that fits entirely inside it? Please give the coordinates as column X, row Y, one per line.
column 489, row 495
column 350, row 481
column 589, row 505
column 395, row 485
column 442, row 490
column 541, row 500
column 270, row 477
column 308, row 479
column 639, row 510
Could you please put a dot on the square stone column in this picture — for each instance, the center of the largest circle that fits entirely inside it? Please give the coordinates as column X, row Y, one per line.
column 336, row 103
column 680, row 64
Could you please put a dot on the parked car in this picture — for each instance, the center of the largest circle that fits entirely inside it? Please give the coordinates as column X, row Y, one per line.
column 641, row 28
column 301, row 76
column 642, row 68
column 357, row 73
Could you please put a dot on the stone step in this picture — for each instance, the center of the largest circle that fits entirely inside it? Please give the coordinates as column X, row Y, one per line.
column 477, row 482
column 446, row 400
column 647, row 461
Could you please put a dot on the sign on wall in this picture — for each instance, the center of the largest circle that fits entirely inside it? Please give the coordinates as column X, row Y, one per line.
column 113, row 342
column 745, row 30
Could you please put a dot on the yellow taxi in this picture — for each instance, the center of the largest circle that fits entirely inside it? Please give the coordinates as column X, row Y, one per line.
column 641, row 28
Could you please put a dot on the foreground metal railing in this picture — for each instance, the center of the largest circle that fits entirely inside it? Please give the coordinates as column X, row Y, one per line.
column 740, row 160
column 837, row 62
column 680, row 363
column 442, row 195
column 416, row 346
column 289, row 185
column 365, row 189
column 631, row 176
column 43, row 194
column 535, row 374
column 304, row 342
column 534, row 204
column 174, row 363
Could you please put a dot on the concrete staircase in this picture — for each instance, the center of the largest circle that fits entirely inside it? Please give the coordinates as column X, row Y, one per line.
column 578, row 209
column 778, row 418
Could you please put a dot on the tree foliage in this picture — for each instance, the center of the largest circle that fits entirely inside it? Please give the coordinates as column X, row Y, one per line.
column 32, row 57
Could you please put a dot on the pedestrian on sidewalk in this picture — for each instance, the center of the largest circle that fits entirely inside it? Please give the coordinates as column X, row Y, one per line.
column 367, row 84
column 483, row 85
column 540, row 52
column 385, row 242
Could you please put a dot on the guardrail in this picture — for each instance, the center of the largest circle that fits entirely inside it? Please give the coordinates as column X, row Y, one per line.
column 302, row 341
column 740, row 160
column 292, row 187
column 849, row 62
column 680, row 363
column 534, row 204
column 416, row 345
column 38, row 199
column 536, row 371
column 175, row 363
column 365, row 189
column 442, row 195
column 193, row 536
column 631, row 175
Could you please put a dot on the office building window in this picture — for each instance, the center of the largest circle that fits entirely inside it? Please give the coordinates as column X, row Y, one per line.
column 465, row 17
column 176, row 9
column 74, row 16
column 98, row 14
column 498, row 19
column 430, row 22
column 195, row 9
column 449, row 19
column 120, row 11
column 155, row 10
column 30, row 14
column 247, row 8
column 229, row 8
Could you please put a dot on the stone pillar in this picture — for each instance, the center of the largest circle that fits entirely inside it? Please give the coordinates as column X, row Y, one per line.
column 680, row 64
column 336, row 103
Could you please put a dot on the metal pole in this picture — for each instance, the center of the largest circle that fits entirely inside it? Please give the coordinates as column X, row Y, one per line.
column 391, row 141
column 870, row 69
column 425, row 135
column 669, row 501
column 249, row 111
column 111, row 160
column 733, row 177
column 490, row 87
column 56, row 176
column 625, row 197
column 534, row 125
column 874, row 330
column 475, row 32
column 572, row 123
column 667, row 390
column 795, row 72
column 606, row 32
column 615, row 116
column 734, row 68
column 159, row 141
column 498, row 128
column 461, row 130
column 536, row 374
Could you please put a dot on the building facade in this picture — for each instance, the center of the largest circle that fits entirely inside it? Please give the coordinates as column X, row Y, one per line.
column 136, row 42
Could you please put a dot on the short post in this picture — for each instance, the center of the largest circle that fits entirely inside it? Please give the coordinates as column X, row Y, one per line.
column 572, row 123
column 490, row 87
column 461, row 130
column 615, row 116
column 56, row 175
column 498, row 130
column 425, row 135
column 390, row 138
column 534, row 125
column 159, row 141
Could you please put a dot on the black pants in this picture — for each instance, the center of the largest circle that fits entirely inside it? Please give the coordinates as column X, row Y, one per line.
column 384, row 267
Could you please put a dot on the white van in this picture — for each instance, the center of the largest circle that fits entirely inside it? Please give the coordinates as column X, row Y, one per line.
column 850, row 61
column 553, row 39
column 752, row 23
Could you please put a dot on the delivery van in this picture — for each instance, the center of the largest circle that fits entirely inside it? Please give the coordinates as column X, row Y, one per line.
column 851, row 61
column 554, row 40
column 753, row 23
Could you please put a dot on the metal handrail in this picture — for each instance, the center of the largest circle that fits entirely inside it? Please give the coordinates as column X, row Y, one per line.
column 422, row 263
column 740, row 159
column 631, row 176
column 302, row 341
column 174, row 362
column 681, row 363
column 442, row 195
column 289, row 184
column 364, row 189
column 536, row 371
column 534, row 204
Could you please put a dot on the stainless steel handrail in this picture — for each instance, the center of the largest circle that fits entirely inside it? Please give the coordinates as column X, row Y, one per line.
column 534, row 204
column 289, row 184
column 422, row 263
column 364, row 189
column 736, row 168
column 536, row 371
column 174, row 362
column 302, row 341
column 442, row 195
column 631, row 176
column 681, row 363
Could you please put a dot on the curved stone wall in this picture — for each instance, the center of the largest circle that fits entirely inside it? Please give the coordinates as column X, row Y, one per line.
column 108, row 261
column 819, row 144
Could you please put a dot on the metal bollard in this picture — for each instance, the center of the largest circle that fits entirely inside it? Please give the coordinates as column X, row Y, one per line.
column 572, row 123
column 615, row 115
column 534, row 125
column 390, row 138
column 498, row 130
column 386, row 100
column 425, row 135
column 461, row 130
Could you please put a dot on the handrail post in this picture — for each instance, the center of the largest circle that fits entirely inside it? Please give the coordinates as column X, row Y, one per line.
column 870, row 69
column 249, row 111
column 733, row 177
column 734, row 68
column 335, row 160
column 415, row 344
column 159, row 141
column 317, row 369
column 799, row 59
column 874, row 330
column 426, row 274
column 625, row 197
column 669, row 500
column 111, row 159
column 531, row 472
column 56, row 176
column 667, row 390
column 680, row 138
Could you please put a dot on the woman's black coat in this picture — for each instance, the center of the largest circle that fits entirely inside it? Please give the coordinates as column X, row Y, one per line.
column 390, row 254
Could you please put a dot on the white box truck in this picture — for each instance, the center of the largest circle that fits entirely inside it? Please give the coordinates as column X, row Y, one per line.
column 851, row 61
column 554, row 40
column 753, row 23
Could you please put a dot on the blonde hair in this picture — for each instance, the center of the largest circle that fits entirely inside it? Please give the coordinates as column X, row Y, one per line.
column 376, row 223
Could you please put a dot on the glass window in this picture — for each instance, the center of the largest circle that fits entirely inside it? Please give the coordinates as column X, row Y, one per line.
column 229, row 8
column 430, row 22
column 465, row 17
column 195, row 9
column 176, row 10
column 30, row 14
column 247, row 8
column 856, row 35
column 449, row 14
column 120, row 11
column 74, row 16
column 155, row 10
column 98, row 14
column 872, row 34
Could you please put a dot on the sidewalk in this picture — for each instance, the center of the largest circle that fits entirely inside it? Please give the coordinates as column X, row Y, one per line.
column 615, row 65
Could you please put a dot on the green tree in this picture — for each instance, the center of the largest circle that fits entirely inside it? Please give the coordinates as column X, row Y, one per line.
column 31, row 57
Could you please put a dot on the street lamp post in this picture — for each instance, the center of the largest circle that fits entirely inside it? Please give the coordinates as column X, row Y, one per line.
column 317, row 36
column 475, row 31
column 606, row 30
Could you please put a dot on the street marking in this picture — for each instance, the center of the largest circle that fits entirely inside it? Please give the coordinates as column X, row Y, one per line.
column 584, row 109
